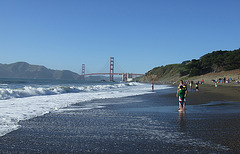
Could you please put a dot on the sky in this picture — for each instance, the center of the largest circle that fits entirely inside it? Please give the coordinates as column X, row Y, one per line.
column 139, row 34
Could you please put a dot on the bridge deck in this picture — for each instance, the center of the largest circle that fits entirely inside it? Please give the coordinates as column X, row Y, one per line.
column 111, row 74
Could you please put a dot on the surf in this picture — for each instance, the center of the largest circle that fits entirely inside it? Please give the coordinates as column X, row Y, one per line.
column 32, row 101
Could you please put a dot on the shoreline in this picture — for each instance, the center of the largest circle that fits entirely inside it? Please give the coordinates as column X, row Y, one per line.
column 148, row 123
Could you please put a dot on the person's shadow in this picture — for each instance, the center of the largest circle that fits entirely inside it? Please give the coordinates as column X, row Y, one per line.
column 182, row 121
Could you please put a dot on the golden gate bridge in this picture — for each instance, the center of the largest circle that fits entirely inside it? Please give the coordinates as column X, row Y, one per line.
column 111, row 73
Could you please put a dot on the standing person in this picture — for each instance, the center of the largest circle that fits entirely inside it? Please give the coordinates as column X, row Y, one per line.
column 197, row 86
column 152, row 87
column 191, row 84
column 184, row 88
column 181, row 93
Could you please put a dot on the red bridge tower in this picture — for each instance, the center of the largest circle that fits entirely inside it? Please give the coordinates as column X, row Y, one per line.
column 111, row 69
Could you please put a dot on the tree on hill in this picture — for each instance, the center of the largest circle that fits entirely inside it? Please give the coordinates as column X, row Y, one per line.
column 221, row 61
column 216, row 61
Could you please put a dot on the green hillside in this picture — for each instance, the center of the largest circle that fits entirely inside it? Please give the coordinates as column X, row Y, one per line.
column 216, row 61
column 163, row 73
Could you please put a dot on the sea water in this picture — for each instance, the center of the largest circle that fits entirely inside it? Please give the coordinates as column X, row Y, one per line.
column 22, row 99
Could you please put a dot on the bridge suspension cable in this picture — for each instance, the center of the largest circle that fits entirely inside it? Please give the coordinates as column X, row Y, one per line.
column 112, row 71
column 119, row 68
column 105, row 68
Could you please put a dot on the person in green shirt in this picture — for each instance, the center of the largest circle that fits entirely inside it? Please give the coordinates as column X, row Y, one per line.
column 182, row 93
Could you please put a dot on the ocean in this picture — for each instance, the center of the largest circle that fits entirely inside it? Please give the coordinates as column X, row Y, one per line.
column 48, row 116
column 22, row 99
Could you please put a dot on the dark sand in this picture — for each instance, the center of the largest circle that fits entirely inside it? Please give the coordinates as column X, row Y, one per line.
column 139, row 124
column 208, row 93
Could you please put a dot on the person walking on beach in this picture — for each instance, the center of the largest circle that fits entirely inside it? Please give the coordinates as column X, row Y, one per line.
column 182, row 95
column 152, row 87
column 183, row 90
column 191, row 84
column 197, row 86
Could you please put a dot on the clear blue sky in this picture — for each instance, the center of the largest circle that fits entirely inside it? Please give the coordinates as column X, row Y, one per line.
column 140, row 34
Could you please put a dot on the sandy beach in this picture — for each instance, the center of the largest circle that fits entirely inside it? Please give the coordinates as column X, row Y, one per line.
column 208, row 93
column 147, row 123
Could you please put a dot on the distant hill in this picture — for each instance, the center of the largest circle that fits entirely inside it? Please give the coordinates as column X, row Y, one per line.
column 163, row 73
column 25, row 70
column 214, row 62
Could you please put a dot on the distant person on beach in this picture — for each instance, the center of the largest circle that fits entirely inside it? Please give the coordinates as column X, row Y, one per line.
column 191, row 84
column 183, row 89
column 197, row 86
column 152, row 87
column 181, row 93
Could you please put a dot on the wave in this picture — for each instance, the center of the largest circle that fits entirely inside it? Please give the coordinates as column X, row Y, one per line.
column 47, row 99
column 28, row 91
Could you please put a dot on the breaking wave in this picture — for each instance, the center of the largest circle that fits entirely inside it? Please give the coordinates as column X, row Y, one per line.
column 27, row 91
column 30, row 101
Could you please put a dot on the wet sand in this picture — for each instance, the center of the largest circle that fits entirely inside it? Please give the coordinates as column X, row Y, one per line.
column 139, row 124
column 208, row 93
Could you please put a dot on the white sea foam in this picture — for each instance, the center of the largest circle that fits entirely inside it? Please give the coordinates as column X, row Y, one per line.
column 29, row 102
column 27, row 91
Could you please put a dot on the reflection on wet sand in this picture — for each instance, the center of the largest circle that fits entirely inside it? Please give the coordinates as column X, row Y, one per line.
column 182, row 121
